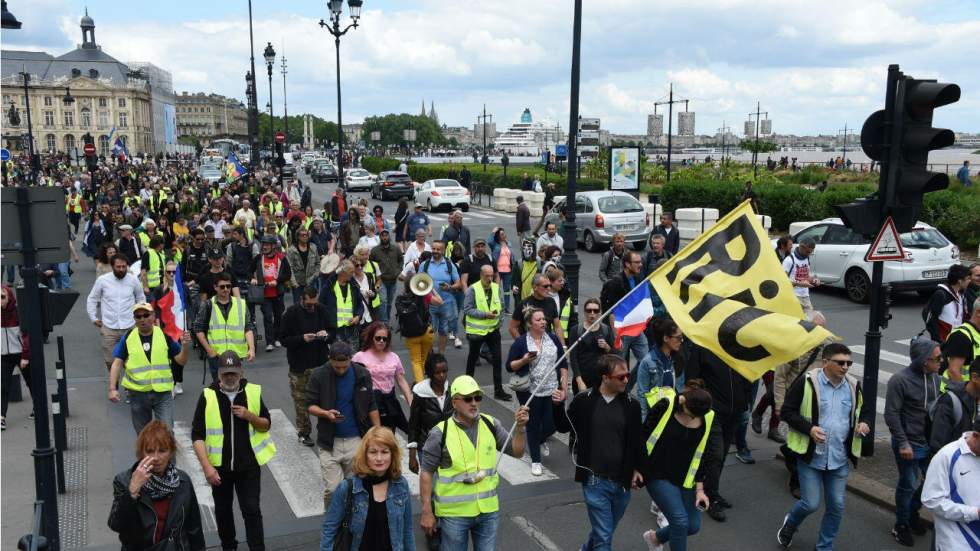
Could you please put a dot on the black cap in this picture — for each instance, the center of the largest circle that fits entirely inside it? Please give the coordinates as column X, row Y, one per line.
column 216, row 253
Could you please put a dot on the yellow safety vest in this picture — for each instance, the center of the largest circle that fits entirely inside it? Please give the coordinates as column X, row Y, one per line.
column 214, row 432
column 669, row 394
column 307, row 222
column 345, row 306
column 484, row 326
column 971, row 332
column 799, row 442
column 529, row 269
column 154, row 272
column 453, row 496
column 126, row 201
column 215, row 193
column 566, row 315
column 147, row 374
column 144, row 239
column 74, row 204
column 228, row 333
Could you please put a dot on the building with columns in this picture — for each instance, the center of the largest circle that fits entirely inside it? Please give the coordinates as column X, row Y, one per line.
column 107, row 94
column 209, row 117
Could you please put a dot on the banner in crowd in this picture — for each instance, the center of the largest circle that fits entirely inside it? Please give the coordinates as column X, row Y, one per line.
column 728, row 293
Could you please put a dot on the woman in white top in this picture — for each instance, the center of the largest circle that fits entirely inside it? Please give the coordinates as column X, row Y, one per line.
column 368, row 285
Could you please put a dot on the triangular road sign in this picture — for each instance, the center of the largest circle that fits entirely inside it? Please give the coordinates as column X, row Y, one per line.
column 887, row 246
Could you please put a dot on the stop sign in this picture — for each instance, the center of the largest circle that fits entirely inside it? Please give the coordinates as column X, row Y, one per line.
column 280, row 137
column 89, row 149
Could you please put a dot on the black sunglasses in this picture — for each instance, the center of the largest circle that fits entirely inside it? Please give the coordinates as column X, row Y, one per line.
column 470, row 399
column 140, row 316
column 591, row 310
column 843, row 363
column 380, row 338
column 224, row 286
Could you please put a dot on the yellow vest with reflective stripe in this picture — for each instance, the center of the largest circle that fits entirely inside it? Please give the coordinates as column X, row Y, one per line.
column 484, row 326
column 345, row 306
column 799, row 442
column 228, row 333
column 154, row 272
column 214, row 432
column 147, row 374
column 566, row 314
column 454, row 497
column 74, row 204
column 971, row 333
column 669, row 394
column 376, row 301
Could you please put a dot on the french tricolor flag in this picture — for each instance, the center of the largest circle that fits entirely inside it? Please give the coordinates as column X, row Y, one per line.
column 172, row 309
column 633, row 312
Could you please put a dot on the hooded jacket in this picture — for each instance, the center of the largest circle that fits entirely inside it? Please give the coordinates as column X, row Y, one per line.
column 910, row 393
column 14, row 341
column 425, row 412
column 945, row 426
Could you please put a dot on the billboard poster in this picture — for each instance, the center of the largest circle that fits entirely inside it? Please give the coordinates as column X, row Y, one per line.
column 624, row 168
column 169, row 124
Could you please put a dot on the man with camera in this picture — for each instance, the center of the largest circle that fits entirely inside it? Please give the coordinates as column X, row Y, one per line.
column 303, row 332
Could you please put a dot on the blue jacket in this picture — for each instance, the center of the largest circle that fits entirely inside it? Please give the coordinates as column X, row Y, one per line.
column 398, row 503
column 656, row 370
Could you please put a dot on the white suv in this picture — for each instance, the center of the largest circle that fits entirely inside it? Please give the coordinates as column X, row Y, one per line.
column 838, row 260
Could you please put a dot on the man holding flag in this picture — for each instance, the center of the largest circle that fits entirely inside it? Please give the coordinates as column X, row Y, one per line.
column 630, row 310
column 170, row 302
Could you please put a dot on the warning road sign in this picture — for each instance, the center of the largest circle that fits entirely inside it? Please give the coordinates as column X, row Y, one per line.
column 887, row 246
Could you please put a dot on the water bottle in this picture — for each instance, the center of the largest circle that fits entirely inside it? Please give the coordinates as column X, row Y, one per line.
column 821, row 448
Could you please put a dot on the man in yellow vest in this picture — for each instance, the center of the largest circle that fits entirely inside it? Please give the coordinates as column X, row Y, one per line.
column 459, row 460
column 231, row 439
column 74, row 206
column 224, row 323
column 824, row 440
column 481, row 319
column 343, row 301
column 962, row 346
column 143, row 358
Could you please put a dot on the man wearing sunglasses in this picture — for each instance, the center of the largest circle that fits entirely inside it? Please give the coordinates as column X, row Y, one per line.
column 541, row 299
column 828, row 419
column 143, row 356
column 224, row 323
column 464, row 476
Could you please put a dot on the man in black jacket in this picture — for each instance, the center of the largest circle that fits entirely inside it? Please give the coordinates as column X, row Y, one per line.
column 304, row 334
column 271, row 269
column 956, row 409
column 341, row 396
column 667, row 228
column 609, row 448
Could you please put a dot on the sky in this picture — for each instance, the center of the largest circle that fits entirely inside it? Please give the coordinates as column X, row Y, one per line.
column 813, row 66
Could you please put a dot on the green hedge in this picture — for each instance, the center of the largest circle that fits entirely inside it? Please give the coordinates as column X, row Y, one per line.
column 955, row 212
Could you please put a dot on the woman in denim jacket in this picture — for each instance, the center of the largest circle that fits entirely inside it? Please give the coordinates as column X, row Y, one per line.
column 657, row 368
column 380, row 498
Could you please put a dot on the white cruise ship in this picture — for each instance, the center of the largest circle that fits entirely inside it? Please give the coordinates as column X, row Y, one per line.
column 528, row 137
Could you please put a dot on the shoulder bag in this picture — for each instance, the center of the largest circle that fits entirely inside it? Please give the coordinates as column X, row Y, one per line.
column 344, row 539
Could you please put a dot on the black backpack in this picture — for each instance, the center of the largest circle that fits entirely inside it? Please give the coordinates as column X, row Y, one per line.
column 411, row 321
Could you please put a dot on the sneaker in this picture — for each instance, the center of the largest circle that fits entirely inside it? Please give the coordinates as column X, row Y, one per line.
column 456, row 342
column 306, row 441
column 650, row 537
column 662, row 521
column 3, row 424
column 178, row 388
column 785, row 534
column 722, row 502
column 502, row 395
column 903, row 535
column 745, row 456
column 716, row 512
column 545, row 450
column 537, row 469
column 756, row 423
column 918, row 526
column 269, row 348
column 31, row 415
column 278, row 344
column 775, row 436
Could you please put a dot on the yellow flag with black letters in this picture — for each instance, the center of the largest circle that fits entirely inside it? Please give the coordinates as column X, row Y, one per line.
column 728, row 293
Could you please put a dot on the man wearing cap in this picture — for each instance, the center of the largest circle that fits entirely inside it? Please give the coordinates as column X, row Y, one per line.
column 418, row 220
column 231, row 439
column 129, row 245
column 469, row 267
column 413, row 253
column 388, row 258
column 272, row 269
column 205, row 280
column 341, row 396
column 464, row 477
column 143, row 355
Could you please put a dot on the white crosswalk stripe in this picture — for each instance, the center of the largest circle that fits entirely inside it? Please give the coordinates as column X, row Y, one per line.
column 889, row 364
column 296, row 469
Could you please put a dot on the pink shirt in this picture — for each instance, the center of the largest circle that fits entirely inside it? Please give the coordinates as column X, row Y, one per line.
column 503, row 259
column 384, row 371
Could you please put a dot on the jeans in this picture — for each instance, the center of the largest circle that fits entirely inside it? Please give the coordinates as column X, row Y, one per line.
column 832, row 484
column 459, row 296
column 540, row 423
column 743, row 423
column 145, row 406
column 908, row 491
column 505, row 291
column 272, row 309
column 248, row 485
column 677, row 504
column 476, row 342
column 387, row 299
column 605, row 501
column 482, row 529
column 444, row 317
column 639, row 346
column 298, row 294
column 61, row 280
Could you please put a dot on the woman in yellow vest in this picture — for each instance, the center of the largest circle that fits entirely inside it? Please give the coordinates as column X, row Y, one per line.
column 677, row 430
column 231, row 439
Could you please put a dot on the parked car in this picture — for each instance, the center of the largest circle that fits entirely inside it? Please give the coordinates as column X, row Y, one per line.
column 289, row 169
column 358, row 179
column 392, row 184
column 211, row 175
column 838, row 260
column 324, row 172
column 442, row 192
column 600, row 214
column 307, row 161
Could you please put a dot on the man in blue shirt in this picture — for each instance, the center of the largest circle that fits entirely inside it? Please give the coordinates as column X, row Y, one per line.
column 963, row 174
column 445, row 279
column 418, row 220
column 826, row 426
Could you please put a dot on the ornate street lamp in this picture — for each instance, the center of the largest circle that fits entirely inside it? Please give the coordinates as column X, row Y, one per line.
column 336, row 10
column 270, row 58
column 68, row 99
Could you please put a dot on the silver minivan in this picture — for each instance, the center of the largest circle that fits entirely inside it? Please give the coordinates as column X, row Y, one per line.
column 600, row 214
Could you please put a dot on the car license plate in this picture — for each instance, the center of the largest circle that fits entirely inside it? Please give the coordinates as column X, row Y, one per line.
column 934, row 274
column 626, row 227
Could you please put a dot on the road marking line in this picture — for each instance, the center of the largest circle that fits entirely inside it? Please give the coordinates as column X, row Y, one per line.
column 906, row 342
column 898, row 359
column 296, row 468
column 535, row 533
column 883, row 376
column 512, row 406
column 187, row 460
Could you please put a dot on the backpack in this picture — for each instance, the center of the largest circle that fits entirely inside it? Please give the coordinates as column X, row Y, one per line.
column 411, row 321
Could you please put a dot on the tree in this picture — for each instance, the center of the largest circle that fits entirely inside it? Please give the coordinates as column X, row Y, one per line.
column 764, row 146
column 323, row 130
column 392, row 127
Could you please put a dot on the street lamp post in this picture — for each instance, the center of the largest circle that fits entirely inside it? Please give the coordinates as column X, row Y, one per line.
column 270, row 57
column 336, row 9
column 253, row 104
column 570, row 258
column 285, row 109
column 69, row 101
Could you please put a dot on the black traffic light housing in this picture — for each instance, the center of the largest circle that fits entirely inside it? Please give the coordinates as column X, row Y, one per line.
column 900, row 137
